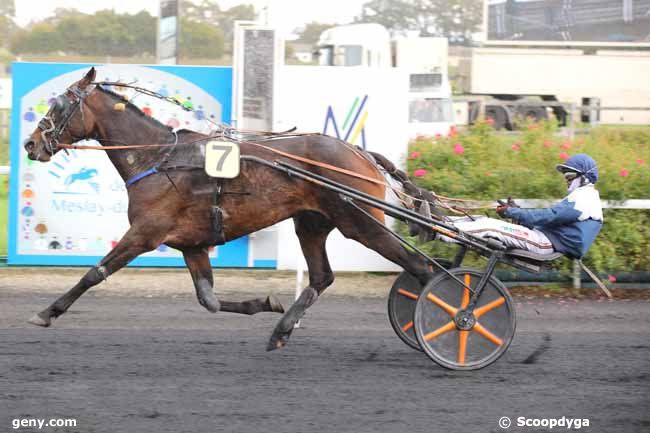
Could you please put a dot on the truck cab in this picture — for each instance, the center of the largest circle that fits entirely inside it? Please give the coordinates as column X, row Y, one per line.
column 425, row 60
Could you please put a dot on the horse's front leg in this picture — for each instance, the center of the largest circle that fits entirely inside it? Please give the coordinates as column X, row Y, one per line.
column 312, row 230
column 134, row 243
column 198, row 262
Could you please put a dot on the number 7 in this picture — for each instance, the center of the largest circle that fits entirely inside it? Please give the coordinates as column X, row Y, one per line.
column 226, row 151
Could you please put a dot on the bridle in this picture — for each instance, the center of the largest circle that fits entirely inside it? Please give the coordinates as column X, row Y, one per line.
column 70, row 107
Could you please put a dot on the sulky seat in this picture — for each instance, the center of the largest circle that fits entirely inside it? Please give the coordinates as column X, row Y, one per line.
column 528, row 260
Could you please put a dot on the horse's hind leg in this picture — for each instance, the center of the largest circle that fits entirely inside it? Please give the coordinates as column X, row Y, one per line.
column 372, row 235
column 132, row 244
column 198, row 262
column 312, row 229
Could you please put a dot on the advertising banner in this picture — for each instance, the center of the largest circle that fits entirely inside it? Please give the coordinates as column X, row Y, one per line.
column 72, row 210
column 579, row 22
column 355, row 105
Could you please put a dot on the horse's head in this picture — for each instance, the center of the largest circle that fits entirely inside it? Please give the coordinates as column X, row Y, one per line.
column 66, row 122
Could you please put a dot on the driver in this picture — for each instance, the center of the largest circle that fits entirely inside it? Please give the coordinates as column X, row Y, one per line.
column 569, row 227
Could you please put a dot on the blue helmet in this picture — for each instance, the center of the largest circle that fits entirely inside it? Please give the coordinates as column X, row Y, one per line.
column 582, row 164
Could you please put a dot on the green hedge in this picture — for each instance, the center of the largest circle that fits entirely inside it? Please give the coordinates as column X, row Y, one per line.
column 483, row 164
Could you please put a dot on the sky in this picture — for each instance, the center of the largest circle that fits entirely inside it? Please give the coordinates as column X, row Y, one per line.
column 286, row 15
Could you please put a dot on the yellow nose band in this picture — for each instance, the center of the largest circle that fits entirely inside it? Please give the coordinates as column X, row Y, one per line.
column 120, row 106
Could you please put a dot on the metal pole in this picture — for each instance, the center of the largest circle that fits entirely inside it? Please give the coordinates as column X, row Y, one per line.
column 576, row 275
column 572, row 122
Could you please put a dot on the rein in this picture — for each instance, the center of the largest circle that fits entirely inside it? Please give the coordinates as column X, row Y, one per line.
column 81, row 95
column 279, row 152
column 441, row 199
column 178, row 103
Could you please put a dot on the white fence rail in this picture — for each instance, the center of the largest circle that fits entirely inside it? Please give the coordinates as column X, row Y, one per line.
column 607, row 204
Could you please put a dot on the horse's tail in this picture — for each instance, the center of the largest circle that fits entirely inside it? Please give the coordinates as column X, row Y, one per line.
column 399, row 175
column 422, row 196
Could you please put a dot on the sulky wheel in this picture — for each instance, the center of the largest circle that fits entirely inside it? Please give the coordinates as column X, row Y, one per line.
column 401, row 307
column 459, row 339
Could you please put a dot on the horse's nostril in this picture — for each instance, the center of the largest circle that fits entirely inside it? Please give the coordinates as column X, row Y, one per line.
column 30, row 145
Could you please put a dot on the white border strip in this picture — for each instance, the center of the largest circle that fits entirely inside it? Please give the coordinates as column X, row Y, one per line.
column 607, row 204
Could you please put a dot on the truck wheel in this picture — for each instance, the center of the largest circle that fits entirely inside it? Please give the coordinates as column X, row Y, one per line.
column 534, row 113
column 497, row 114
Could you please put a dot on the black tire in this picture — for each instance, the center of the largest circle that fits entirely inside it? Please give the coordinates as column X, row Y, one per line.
column 535, row 113
column 440, row 338
column 402, row 300
column 498, row 114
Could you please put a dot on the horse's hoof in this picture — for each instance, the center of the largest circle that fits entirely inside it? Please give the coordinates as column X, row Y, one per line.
column 37, row 320
column 210, row 303
column 274, row 304
column 206, row 297
column 278, row 340
column 276, row 344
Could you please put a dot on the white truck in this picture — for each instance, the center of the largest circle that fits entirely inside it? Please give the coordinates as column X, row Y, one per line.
column 425, row 59
column 525, row 82
column 524, row 79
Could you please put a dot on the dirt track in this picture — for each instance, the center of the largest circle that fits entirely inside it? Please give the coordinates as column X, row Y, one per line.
column 126, row 360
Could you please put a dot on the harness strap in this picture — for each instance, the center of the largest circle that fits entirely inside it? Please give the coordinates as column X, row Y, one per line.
column 319, row 164
column 270, row 149
column 279, row 152
column 141, row 176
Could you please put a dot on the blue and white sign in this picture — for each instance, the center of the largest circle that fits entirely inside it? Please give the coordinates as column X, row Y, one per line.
column 72, row 210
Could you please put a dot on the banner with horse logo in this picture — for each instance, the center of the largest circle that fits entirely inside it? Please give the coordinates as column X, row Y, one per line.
column 73, row 210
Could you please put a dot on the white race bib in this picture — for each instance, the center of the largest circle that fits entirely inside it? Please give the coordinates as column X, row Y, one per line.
column 222, row 159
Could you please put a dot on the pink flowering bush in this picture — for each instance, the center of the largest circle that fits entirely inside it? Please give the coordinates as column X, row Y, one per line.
column 524, row 165
column 483, row 164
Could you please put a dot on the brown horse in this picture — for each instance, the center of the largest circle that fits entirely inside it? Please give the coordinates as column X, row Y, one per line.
column 175, row 205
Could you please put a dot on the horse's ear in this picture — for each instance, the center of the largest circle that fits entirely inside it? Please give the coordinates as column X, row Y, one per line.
column 89, row 78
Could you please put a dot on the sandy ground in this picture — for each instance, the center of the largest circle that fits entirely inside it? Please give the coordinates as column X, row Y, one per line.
column 175, row 282
column 170, row 282
column 138, row 354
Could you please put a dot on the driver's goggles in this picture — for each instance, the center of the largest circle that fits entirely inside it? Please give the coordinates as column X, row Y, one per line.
column 571, row 175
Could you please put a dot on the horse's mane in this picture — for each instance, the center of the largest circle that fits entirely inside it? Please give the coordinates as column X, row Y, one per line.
column 134, row 108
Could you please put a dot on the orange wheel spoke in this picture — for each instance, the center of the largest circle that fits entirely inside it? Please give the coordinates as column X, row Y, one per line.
column 487, row 334
column 407, row 294
column 442, row 304
column 465, row 301
column 489, row 307
column 446, row 328
column 407, row 326
column 462, row 346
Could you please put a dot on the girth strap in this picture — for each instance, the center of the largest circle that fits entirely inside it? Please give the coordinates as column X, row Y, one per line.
column 141, row 176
